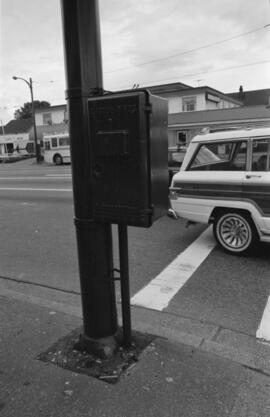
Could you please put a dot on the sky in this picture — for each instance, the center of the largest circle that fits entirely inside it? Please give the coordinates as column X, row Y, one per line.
column 219, row 43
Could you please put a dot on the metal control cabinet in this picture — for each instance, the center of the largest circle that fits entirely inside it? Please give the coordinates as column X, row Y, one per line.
column 129, row 154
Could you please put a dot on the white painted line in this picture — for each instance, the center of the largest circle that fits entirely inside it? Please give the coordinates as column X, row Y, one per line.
column 68, row 190
column 263, row 331
column 46, row 177
column 21, row 178
column 58, row 175
column 158, row 293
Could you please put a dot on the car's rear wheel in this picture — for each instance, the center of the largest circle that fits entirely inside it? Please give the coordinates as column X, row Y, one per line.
column 235, row 232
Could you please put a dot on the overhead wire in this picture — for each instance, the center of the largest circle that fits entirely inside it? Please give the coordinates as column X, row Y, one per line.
column 190, row 50
column 187, row 52
column 203, row 73
column 182, row 76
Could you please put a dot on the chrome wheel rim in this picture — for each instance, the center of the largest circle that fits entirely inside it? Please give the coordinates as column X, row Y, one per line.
column 235, row 232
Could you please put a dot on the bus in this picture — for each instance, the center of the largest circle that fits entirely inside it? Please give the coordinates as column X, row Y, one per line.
column 56, row 148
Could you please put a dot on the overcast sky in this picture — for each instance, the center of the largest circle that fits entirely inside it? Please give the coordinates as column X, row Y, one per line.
column 219, row 43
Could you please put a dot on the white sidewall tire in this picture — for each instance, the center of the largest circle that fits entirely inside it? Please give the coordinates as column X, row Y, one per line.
column 223, row 231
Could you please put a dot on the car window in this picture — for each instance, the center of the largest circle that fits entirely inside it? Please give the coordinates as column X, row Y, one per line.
column 175, row 157
column 220, row 156
column 205, row 156
column 239, row 157
column 261, row 155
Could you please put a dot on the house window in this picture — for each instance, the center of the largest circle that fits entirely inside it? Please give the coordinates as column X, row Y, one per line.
column 47, row 118
column 189, row 103
column 181, row 138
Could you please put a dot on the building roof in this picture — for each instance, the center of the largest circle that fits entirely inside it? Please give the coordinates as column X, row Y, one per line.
column 167, row 88
column 18, row 126
column 177, row 87
column 207, row 89
column 205, row 117
column 252, row 97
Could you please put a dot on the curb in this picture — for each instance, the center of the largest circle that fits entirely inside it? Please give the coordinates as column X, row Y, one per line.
column 226, row 343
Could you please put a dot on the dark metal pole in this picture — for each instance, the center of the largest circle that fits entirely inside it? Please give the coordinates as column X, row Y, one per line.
column 30, row 85
column 124, row 275
column 84, row 79
column 34, row 120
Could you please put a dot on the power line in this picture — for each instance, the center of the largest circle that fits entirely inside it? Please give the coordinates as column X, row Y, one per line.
column 202, row 73
column 181, row 76
column 190, row 50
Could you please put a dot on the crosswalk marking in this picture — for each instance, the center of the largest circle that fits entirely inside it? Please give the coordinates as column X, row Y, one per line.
column 38, row 178
column 60, row 175
column 68, row 190
column 158, row 293
column 263, row 331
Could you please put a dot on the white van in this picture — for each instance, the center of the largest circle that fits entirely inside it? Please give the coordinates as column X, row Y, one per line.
column 225, row 180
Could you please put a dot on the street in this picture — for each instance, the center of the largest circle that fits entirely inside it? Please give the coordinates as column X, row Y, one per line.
column 39, row 249
column 206, row 310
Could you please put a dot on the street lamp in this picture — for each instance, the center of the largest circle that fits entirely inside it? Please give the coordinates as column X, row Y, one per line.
column 30, row 85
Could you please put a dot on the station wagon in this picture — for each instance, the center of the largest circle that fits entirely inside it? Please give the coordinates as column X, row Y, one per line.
column 225, row 180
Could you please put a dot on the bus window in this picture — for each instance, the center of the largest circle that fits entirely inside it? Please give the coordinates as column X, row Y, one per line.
column 47, row 145
column 54, row 142
column 64, row 141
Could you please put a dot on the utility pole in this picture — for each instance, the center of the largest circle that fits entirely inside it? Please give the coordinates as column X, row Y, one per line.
column 3, row 128
column 82, row 49
column 30, row 85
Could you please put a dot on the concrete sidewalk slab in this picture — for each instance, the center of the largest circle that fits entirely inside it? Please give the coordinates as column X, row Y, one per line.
column 229, row 344
column 170, row 379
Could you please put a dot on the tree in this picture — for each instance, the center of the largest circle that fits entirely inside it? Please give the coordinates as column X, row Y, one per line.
column 25, row 112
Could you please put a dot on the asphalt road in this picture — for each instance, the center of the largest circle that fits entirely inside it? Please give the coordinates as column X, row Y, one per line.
column 38, row 246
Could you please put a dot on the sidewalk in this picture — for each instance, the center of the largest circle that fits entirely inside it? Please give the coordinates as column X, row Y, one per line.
column 169, row 380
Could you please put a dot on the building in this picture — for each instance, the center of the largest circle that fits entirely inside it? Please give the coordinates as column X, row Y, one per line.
column 191, row 109
column 51, row 120
column 184, row 126
column 183, row 98
column 252, row 97
column 186, row 104
column 15, row 136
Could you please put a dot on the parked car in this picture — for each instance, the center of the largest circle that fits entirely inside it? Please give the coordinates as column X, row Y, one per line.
column 176, row 156
column 225, row 180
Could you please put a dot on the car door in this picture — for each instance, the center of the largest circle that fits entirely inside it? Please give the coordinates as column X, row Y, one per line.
column 217, row 171
column 256, row 184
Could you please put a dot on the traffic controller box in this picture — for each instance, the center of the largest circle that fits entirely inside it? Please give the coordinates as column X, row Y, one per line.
column 129, row 157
